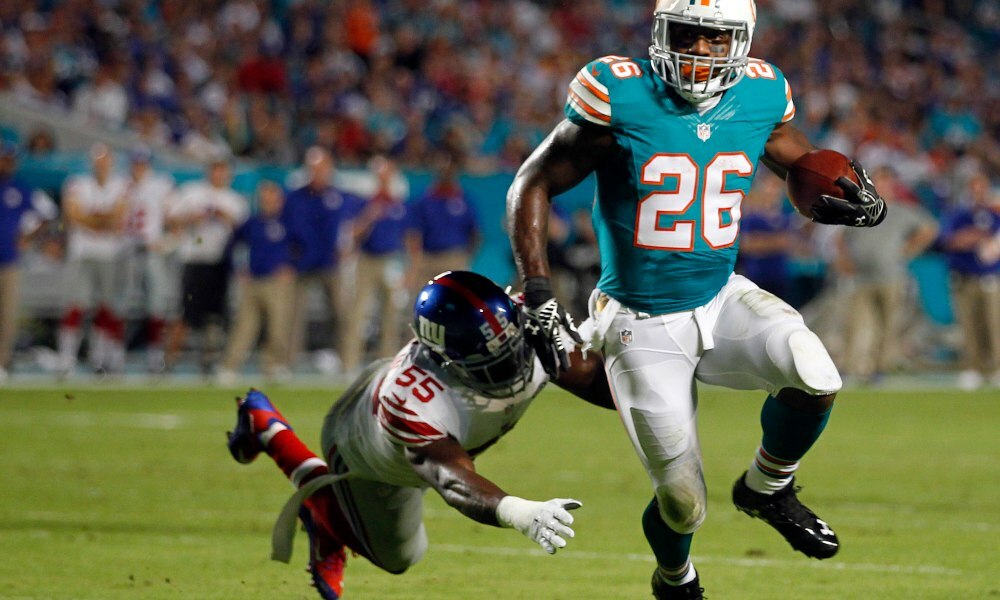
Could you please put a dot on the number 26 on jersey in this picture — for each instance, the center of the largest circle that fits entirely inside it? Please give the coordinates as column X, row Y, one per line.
column 719, row 218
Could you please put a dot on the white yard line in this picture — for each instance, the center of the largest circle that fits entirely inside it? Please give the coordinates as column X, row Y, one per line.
column 752, row 563
column 121, row 420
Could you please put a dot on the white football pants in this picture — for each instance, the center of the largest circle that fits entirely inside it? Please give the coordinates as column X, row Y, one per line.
column 744, row 338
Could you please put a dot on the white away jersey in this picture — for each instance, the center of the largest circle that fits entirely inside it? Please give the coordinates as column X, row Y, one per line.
column 147, row 206
column 412, row 402
column 205, row 242
column 93, row 198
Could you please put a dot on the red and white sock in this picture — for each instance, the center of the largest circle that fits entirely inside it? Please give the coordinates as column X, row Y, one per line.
column 768, row 474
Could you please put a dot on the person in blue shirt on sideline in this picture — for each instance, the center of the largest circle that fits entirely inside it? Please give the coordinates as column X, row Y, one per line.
column 445, row 231
column 22, row 212
column 970, row 237
column 317, row 213
column 378, row 232
column 266, row 291
column 766, row 237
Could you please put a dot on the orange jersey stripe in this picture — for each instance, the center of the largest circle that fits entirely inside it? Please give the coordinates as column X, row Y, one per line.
column 590, row 111
column 592, row 88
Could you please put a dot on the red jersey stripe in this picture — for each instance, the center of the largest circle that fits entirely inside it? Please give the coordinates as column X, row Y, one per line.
column 405, row 425
column 474, row 301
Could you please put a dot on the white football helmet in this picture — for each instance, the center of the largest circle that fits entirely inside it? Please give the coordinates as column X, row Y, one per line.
column 698, row 78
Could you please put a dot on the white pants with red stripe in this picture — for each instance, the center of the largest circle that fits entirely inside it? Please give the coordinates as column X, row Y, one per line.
column 744, row 338
column 386, row 518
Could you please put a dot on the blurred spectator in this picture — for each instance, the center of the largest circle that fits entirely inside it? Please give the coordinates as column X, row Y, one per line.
column 583, row 259
column 148, row 123
column 201, row 141
column 40, row 143
column 378, row 232
column 205, row 213
column 872, row 267
column 488, row 78
column 766, row 236
column 953, row 123
column 316, row 215
column 266, row 291
column 971, row 239
column 264, row 72
column 362, row 26
column 104, row 100
column 445, row 231
column 154, row 251
column 22, row 213
column 270, row 135
column 559, row 235
column 95, row 208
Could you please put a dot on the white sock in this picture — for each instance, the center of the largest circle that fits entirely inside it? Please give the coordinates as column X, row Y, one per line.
column 97, row 349
column 68, row 345
column 115, row 355
column 768, row 474
column 679, row 578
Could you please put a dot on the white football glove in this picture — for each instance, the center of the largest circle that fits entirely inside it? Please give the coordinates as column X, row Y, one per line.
column 545, row 523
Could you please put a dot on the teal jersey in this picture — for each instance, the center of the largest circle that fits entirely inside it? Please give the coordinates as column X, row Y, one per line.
column 667, row 208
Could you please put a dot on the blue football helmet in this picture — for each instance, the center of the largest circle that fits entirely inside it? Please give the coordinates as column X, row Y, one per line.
column 475, row 332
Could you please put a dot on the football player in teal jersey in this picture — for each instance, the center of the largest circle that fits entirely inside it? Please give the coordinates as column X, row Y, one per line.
column 675, row 141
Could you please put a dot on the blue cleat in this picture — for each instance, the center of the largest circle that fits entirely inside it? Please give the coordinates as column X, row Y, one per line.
column 255, row 414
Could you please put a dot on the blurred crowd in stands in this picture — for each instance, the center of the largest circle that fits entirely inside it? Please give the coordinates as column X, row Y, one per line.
column 909, row 87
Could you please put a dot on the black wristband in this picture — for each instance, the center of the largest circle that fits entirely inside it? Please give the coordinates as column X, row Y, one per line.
column 537, row 291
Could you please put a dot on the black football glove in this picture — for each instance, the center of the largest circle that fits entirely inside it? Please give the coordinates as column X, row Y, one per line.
column 861, row 206
column 545, row 319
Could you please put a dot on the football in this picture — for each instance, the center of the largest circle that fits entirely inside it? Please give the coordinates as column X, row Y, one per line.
column 815, row 174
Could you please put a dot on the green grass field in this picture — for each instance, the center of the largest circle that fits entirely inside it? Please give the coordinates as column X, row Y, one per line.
column 132, row 494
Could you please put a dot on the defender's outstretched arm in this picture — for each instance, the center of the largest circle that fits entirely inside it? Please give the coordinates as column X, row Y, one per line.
column 448, row 468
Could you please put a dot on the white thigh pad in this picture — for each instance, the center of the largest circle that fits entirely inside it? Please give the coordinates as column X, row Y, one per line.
column 813, row 363
column 762, row 343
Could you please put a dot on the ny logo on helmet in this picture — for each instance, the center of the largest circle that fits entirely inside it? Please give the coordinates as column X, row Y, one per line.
column 432, row 332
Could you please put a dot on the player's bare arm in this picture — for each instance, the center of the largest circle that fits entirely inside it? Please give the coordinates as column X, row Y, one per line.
column 561, row 161
column 785, row 146
column 449, row 469
column 859, row 205
column 77, row 216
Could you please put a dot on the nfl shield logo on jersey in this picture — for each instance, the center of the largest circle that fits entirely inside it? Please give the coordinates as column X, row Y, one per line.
column 625, row 335
column 704, row 131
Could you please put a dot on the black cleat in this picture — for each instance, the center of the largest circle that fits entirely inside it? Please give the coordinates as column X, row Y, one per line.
column 782, row 510
column 691, row 590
